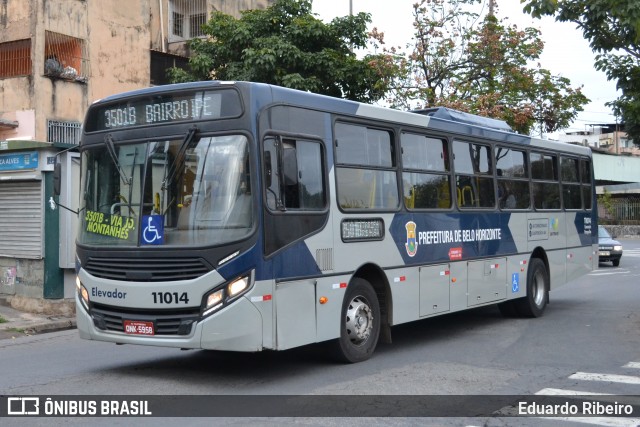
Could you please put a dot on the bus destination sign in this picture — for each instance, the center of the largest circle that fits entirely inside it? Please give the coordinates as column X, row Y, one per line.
column 200, row 105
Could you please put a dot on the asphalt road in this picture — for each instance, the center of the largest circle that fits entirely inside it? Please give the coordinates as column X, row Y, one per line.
column 588, row 333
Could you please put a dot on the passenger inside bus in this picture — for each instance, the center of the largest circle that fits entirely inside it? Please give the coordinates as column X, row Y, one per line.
column 506, row 196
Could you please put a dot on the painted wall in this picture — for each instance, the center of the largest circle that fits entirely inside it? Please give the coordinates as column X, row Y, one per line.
column 15, row 20
column 116, row 43
column 16, row 94
column 26, row 120
column 21, row 277
column 57, row 99
column 118, row 46
column 117, row 35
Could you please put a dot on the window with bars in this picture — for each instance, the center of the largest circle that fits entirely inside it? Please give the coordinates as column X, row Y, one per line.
column 63, row 132
column 178, row 24
column 65, row 57
column 195, row 24
column 15, row 58
column 186, row 19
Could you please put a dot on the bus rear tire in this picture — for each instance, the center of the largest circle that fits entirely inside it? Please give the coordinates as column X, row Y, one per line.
column 534, row 303
column 359, row 323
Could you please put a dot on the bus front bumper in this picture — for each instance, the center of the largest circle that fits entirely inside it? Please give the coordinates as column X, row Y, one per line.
column 237, row 327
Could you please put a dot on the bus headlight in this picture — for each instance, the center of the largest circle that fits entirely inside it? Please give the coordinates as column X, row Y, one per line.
column 83, row 293
column 237, row 286
column 214, row 300
column 217, row 298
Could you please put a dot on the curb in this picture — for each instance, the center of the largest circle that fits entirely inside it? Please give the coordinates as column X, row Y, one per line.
column 24, row 322
column 53, row 326
column 22, row 329
column 39, row 327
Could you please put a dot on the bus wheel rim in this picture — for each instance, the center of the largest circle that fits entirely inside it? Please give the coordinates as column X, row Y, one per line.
column 359, row 320
column 538, row 289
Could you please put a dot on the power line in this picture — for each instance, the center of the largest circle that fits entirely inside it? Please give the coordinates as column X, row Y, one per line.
column 587, row 121
column 596, row 112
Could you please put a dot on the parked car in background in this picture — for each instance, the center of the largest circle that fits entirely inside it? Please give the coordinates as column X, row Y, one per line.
column 608, row 248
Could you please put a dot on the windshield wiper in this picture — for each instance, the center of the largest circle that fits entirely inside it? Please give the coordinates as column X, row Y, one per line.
column 108, row 139
column 127, row 180
column 180, row 156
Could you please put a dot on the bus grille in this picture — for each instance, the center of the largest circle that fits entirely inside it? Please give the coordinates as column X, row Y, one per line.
column 147, row 269
column 166, row 322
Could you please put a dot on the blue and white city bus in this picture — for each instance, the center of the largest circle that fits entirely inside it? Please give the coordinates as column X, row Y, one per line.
column 242, row 216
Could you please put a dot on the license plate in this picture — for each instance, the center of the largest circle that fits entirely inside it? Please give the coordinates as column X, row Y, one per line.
column 604, row 253
column 138, row 327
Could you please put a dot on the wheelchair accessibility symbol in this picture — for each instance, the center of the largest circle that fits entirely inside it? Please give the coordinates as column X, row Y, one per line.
column 153, row 230
column 515, row 282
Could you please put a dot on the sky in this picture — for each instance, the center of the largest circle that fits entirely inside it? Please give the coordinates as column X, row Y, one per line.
column 566, row 52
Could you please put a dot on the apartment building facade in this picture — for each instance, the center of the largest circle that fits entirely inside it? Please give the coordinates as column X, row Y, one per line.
column 56, row 57
column 606, row 138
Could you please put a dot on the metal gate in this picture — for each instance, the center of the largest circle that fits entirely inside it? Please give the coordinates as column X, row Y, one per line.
column 21, row 219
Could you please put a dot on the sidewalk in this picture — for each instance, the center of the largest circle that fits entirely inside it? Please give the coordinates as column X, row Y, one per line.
column 17, row 323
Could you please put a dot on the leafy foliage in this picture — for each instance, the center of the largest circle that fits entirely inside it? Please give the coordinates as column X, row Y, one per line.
column 286, row 45
column 458, row 59
column 612, row 28
column 606, row 200
column 481, row 65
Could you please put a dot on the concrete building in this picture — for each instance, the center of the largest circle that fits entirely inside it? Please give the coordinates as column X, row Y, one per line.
column 56, row 57
column 616, row 165
column 608, row 138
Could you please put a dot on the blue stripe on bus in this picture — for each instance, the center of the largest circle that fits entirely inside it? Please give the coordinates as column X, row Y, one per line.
column 294, row 261
column 586, row 231
column 243, row 263
column 419, row 238
column 449, row 237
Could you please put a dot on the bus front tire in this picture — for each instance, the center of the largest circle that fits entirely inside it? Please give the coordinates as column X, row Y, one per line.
column 359, row 323
column 534, row 303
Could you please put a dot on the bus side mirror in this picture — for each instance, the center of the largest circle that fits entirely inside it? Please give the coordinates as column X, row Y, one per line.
column 57, row 178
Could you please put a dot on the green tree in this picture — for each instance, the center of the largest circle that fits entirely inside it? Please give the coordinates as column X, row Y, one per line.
column 465, row 61
column 606, row 201
column 612, row 28
column 286, row 45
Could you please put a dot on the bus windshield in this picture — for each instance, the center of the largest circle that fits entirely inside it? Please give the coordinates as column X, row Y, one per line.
column 180, row 192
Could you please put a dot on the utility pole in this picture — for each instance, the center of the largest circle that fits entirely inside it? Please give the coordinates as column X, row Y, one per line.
column 492, row 5
column 351, row 7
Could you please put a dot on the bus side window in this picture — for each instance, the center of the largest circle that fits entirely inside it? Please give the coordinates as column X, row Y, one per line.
column 474, row 175
column 425, row 178
column 293, row 174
